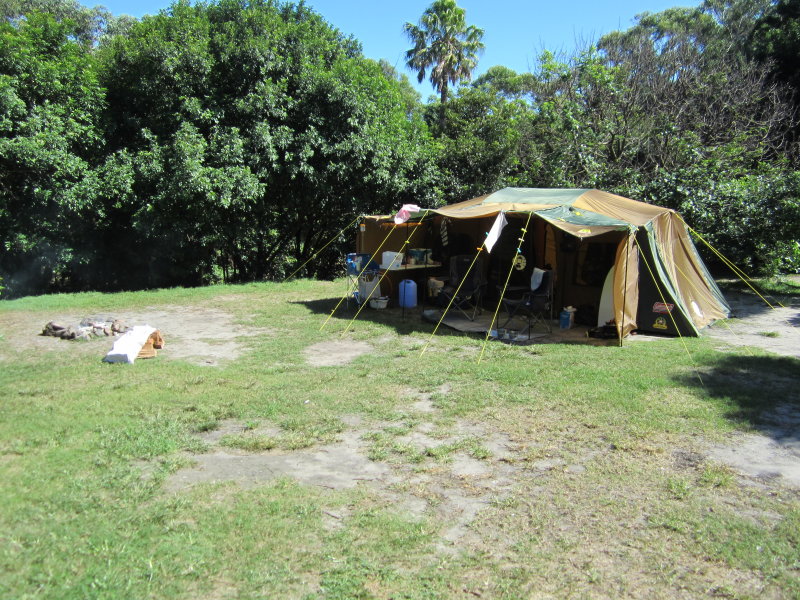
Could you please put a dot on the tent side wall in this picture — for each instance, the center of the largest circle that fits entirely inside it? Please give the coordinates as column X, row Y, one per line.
column 697, row 289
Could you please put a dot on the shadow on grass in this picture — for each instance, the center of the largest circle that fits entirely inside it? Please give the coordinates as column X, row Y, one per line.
column 404, row 321
column 760, row 392
column 411, row 320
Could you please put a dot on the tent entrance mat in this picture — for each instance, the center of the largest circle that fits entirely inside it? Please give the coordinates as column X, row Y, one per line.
column 480, row 325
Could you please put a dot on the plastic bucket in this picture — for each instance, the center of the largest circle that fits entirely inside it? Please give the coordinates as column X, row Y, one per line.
column 408, row 293
column 565, row 319
column 369, row 286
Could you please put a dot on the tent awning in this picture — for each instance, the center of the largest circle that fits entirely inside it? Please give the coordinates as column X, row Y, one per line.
column 580, row 223
column 527, row 200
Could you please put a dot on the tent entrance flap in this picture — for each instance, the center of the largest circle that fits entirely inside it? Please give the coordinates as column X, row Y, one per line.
column 659, row 311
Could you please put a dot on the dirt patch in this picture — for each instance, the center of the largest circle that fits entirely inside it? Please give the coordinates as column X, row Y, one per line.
column 762, row 457
column 756, row 324
column 453, row 476
column 453, row 488
column 335, row 353
column 771, row 455
column 336, row 466
column 202, row 336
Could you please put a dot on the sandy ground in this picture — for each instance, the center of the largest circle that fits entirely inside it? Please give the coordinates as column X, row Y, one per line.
column 202, row 336
column 774, row 452
column 755, row 324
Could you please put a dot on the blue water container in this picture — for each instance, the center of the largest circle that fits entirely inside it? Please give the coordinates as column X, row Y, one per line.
column 565, row 319
column 408, row 293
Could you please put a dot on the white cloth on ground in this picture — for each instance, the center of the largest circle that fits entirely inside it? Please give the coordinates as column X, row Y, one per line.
column 127, row 348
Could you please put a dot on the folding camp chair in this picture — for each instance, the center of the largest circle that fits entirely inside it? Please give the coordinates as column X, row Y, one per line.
column 362, row 278
column 535, row 304
column 467, row 297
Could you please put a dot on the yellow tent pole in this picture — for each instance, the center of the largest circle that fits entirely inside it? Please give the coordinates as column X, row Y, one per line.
column 453, row 297
column 736, row 270
column 351, row 288
column 669, row 312
column 505, row 287
column 408, row 240
column 313, row 256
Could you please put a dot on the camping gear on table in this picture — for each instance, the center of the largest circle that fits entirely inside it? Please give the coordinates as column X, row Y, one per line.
column 358, row 262
column 421, row 256
column 392, row 261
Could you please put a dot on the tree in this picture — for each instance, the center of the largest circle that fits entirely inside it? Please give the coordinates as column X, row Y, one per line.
column 480, row 141
column 445, row 44
column 411, row 97
column 689, row 68
column 711, row 131
column 507, row 82
column 89, row 25
column 50, row 136
column 255, row 131
column 776, row 40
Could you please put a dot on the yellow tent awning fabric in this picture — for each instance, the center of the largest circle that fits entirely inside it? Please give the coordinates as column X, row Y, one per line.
column 678, row 271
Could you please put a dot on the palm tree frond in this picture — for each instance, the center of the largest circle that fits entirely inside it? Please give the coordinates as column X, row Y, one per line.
column 445, row 44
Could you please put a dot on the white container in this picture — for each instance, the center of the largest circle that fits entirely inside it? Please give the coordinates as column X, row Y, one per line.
column 369, row 286
column 379, row 303
column 392, row 261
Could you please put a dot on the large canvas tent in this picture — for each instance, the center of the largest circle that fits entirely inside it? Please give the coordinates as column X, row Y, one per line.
column 658, row 283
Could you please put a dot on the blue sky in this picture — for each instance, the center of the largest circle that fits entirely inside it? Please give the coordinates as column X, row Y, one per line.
column 515, row 30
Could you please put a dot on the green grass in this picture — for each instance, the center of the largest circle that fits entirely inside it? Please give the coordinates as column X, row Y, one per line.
column 87, row 450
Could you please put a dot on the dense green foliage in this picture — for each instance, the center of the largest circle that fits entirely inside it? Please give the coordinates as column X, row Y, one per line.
column 230, row 140
column 776, row 38
column 235, row 139
column 253, row 133
column 50, row 133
